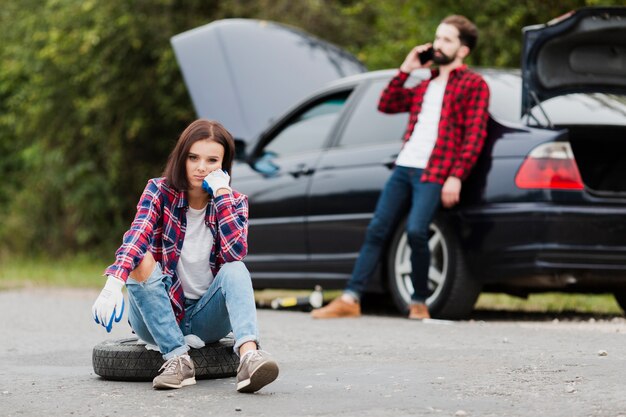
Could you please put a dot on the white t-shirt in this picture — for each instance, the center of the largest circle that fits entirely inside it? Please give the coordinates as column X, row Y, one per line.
column 194, row 269
column 417, row 150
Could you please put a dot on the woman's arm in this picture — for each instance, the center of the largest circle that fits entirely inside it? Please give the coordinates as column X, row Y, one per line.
column 137, row 239
column 232, row 223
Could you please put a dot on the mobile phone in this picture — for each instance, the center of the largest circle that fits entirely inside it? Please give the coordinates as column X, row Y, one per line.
column 426, row 56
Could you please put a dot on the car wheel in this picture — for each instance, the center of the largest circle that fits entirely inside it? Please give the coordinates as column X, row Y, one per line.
column 127, row 360
column 620, row 297
column 453, row 291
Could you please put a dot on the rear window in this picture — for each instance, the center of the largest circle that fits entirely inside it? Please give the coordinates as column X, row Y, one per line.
column 584, row 109
column 570, row 109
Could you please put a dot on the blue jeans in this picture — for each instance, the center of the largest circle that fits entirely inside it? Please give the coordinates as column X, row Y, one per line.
column 404, row 192
column 228, row 305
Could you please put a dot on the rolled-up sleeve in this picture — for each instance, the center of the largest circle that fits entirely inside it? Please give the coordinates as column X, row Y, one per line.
column 475, row 129
column 395, row 98
column 232, row 222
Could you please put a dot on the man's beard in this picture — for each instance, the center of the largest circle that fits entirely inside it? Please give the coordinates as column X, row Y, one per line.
column 440, row 58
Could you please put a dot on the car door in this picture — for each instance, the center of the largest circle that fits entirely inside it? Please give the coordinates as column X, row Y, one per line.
column 349, row 179
column 284, row 163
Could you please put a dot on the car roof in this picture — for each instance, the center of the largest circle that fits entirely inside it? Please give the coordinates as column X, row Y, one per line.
column 418, row 74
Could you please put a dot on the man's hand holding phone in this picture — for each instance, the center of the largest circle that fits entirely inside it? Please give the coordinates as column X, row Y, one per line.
column 426, row 55
column 420, row 57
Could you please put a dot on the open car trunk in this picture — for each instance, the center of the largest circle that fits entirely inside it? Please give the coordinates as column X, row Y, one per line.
column 583, row 51
column 600, row 152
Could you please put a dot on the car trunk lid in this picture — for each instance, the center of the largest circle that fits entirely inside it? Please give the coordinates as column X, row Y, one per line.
column 583, row 51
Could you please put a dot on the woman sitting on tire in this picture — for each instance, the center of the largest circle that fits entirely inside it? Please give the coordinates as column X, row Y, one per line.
column 181, row 262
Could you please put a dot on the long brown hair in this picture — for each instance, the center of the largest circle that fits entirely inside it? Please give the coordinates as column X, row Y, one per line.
column 175, row 171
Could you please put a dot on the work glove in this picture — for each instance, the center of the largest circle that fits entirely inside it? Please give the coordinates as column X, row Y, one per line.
column 109, row 305
column 216, row 180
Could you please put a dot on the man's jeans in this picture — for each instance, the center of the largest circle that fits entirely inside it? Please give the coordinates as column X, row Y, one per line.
column 404, row 192
column 228, row 305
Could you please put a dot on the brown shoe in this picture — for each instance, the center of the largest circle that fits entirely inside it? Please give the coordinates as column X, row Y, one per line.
column 418, row 312
column 336, row 309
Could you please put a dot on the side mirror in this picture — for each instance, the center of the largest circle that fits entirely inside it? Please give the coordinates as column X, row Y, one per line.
column 265, row 165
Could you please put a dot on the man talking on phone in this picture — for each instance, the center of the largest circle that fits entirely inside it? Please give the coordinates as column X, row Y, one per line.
column 443, row 139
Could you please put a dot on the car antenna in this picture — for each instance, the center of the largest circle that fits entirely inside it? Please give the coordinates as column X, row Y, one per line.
column 530, row 114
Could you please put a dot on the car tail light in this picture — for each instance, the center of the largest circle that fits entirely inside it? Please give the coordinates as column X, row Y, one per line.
column 551, row 166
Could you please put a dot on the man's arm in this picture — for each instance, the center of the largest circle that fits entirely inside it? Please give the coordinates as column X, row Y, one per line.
column 451, row 192
column 477, row 115
column 395, row 98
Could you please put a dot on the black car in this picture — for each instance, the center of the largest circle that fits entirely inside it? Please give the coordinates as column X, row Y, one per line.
column 544, row 208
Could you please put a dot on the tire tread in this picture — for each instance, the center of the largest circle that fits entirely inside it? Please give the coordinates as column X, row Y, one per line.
column 126, row 360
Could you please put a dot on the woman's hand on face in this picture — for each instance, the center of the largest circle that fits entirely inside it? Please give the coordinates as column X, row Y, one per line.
column 217, row 183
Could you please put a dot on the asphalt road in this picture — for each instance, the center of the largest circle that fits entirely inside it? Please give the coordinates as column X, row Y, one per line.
column 373, row 366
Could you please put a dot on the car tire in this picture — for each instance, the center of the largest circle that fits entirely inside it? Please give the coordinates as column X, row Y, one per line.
column 454, row 291
column 127, row 360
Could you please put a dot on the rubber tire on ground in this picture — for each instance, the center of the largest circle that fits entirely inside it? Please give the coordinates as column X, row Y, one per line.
column 126, row 360
column 620, row 297
column 459, row 291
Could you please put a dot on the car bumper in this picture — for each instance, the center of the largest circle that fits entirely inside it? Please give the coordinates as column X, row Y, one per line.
column 584, row 245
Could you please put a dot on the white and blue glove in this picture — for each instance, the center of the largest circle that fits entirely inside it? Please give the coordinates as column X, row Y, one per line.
column 215, row 181
column 109, row 305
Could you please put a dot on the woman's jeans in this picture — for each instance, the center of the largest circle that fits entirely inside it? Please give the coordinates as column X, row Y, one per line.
column 404, row 193
column 228, row 305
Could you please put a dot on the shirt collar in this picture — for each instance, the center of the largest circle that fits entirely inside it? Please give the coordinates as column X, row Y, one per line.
column 454, row 73
column 179, row 198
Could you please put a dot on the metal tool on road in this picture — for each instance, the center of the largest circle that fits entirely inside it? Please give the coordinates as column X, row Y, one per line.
column 314, row 300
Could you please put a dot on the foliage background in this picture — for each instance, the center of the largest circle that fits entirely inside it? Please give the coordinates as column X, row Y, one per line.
column 91, row 99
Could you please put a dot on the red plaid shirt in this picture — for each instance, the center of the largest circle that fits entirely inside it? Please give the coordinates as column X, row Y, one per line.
column 159, row 227
column 463, row 123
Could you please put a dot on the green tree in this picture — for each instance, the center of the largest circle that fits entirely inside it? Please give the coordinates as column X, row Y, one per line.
column 91, row 98
column 92, row 101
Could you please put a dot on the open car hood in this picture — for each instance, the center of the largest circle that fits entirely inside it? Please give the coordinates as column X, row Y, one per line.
column 245, row 72
column 583, row 51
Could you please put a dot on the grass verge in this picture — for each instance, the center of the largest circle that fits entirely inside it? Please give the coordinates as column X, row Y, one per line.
column 85, row 272
column 76, row 272
column 551, row 303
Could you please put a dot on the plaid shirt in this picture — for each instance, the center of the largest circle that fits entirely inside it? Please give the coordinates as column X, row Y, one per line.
column 462, row 126
column 159, row 227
